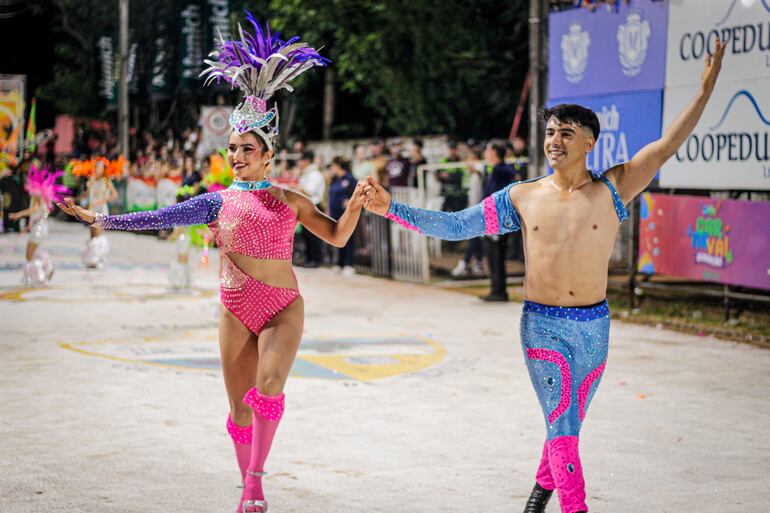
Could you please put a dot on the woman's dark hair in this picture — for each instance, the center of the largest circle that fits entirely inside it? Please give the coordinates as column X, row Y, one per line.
column 571, row 113
column 342, row 162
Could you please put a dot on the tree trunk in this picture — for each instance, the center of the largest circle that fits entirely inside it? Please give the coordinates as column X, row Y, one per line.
column 328, row 119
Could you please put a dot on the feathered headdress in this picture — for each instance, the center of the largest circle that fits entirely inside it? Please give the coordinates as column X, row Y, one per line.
column 41, row 183
column 87, row 168
column 84, row 168
column 259, row 65
column 115, row 168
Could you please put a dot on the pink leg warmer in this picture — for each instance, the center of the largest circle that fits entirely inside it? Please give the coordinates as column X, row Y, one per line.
column 241, row 436
column 567, row 473
column 267, row 413
column 544, row 477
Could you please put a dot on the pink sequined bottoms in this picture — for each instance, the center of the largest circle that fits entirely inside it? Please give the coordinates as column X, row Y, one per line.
column 254, row 303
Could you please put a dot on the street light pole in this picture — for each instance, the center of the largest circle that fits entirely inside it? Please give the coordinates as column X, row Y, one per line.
column 123, row 80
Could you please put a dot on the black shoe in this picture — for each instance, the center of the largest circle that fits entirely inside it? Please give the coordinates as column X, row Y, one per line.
column 538, row 500
column 310, row 265
column 494, row 298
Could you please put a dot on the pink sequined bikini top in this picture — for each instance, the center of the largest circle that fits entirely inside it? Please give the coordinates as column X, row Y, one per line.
column 256, row 224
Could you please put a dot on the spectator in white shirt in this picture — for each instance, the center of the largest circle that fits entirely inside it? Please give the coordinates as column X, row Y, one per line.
column 312, row 184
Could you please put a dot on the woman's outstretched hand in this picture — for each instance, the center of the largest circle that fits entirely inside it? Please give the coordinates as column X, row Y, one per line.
column 377, row 198
column 356, row 201
column 69, row 207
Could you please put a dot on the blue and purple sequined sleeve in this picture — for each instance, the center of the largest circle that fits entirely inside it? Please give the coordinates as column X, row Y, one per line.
column 201, row 209
column 495, row 215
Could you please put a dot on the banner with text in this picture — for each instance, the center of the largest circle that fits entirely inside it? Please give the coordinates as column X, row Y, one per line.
column 161, row 75
column 694, row 26
column 730, row 146
column 191, row 44
column 723, row 241
column 607, row 52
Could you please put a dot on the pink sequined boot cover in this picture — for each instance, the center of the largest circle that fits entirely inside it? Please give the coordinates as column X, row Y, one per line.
column 241, row 436
column 544, row 477
column 267, row 413
column 564, row 460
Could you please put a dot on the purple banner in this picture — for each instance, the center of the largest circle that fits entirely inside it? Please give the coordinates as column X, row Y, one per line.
column 724, row 241
column 605, row 51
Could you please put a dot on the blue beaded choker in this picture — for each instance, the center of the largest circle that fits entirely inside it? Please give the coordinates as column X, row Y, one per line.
column 240, row 185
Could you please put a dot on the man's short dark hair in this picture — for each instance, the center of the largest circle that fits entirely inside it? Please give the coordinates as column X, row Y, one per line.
column 571, row 113
column 308, row 155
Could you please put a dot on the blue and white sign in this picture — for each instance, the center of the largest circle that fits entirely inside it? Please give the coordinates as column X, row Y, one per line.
column 730, row 147
column 628, row 123
column 607, row 52
column 694, row 27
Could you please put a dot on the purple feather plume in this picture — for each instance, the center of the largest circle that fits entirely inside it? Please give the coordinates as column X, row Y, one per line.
column 261, row 63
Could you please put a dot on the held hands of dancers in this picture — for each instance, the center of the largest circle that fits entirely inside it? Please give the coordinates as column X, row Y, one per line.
column 376, row 198
column 78, row 212
column 357, row 200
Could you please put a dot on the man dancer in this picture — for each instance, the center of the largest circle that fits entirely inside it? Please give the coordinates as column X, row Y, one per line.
column 569, row 221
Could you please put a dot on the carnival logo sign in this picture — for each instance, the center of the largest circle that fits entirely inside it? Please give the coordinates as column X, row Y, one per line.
column 632, row 43
column 574, row 52
column 709, row 239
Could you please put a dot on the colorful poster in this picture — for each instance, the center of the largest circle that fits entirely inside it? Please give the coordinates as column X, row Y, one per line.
column 605, row 51
column 705, row 239
column 12, row 113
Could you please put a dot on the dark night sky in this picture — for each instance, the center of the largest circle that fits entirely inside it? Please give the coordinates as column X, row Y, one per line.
column 28, row 49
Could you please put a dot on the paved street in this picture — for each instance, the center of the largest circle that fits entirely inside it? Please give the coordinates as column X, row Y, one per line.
column 404, row 398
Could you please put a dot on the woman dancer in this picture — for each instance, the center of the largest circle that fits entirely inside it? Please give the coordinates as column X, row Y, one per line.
column 100, row 193
column 262, row 315
column 39, row 268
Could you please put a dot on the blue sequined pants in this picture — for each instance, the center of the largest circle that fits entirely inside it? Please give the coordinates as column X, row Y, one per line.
column 565, row 350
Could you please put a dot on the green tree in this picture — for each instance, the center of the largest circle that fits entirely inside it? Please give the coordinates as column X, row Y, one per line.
column 427, row 66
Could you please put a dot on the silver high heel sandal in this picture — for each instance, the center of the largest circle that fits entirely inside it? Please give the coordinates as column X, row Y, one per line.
column 249, row 506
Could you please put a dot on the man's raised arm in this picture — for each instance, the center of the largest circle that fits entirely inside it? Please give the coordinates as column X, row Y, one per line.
column 634, row 176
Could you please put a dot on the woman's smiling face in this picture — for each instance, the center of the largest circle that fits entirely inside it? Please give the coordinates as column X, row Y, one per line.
column 248, row 157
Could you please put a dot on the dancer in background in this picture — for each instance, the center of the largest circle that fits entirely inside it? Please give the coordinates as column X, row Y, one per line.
column 186, row 239
column 100, row 191
column 262, row 312
column 43, row 191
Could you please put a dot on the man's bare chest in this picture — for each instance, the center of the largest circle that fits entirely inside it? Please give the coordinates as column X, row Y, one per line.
column 562, row 217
